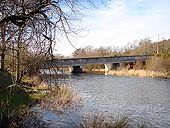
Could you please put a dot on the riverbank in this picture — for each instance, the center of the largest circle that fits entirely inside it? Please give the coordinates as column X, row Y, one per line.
column 132, row 72
column 15, row 98
column 138, row 73
column 17, row 101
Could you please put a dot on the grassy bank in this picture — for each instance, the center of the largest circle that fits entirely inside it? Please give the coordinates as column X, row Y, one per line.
column 16, row 101
column 138, row 73
column 14, row 98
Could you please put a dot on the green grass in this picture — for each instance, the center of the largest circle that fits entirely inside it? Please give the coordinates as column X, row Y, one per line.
column 5, row 79
column 13, row 98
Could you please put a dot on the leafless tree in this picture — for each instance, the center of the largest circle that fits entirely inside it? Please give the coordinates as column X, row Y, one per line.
column 33, row 24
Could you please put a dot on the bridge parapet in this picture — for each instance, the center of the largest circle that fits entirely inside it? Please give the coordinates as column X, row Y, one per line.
column 95, row 60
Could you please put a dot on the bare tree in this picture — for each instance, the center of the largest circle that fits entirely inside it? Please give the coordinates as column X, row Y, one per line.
column 33, row 24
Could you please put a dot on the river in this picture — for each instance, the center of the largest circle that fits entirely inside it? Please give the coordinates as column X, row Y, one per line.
column 145, row 100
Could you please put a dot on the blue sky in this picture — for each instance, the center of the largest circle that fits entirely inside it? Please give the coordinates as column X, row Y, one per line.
column 121, row 22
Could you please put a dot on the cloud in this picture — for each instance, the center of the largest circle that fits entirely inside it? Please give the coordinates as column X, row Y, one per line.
column 125, row 21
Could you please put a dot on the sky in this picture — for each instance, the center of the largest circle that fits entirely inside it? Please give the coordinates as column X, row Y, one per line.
column 120, row 22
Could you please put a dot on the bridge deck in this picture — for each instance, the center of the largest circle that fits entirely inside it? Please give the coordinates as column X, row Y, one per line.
column 95, row 60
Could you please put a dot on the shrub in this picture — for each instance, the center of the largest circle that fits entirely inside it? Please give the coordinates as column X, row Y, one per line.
column 159, row 64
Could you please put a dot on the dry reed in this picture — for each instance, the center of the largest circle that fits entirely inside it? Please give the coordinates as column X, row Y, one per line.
column 60, row 98
column 98, row 120
column 137, row 73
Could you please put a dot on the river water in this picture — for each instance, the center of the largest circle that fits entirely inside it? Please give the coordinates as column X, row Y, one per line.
column 145, row 100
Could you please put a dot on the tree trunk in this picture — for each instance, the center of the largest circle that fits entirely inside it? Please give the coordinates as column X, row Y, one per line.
column 18, row 59
column 3, row 46
column 18, row 63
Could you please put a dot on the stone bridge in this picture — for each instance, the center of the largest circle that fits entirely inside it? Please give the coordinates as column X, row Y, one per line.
column 110, row 62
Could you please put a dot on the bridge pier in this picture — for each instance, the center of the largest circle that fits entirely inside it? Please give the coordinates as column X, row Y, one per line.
column 77, row 69
column 70, row 69
column 107, row 67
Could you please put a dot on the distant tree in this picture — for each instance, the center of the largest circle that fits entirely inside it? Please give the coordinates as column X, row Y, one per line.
column 104, row 51
column 144, row 41
column 159, row 64
column 143, row 47
column 79, row 53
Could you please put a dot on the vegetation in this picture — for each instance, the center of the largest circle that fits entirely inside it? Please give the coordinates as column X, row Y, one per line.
column 28, row 36
column 137, row 73
column 12, row 98
column 60, row 98
column 16, row 100
column 99, row 121
column 158, row 64
column 29, row 29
